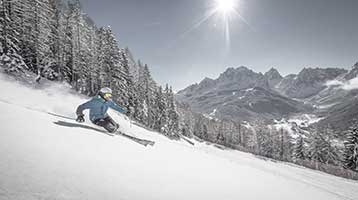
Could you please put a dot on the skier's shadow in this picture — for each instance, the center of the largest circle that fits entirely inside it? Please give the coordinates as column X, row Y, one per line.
column 76, row 125
column 62, row 116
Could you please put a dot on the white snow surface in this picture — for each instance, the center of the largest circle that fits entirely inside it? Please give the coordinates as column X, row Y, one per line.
column 40, row 159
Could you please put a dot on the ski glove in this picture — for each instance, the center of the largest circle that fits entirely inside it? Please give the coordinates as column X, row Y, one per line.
column 80, row 119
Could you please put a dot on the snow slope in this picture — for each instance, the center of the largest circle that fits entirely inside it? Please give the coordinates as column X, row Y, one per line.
column 42, row 157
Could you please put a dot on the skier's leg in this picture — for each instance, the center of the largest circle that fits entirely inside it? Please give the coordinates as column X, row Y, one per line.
column 112, row 124
column 112, row 121
column 107, row 123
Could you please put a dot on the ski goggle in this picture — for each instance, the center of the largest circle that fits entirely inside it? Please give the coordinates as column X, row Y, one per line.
column 107, row 95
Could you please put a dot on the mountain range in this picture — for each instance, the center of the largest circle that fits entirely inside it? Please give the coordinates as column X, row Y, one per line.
column 240, row 94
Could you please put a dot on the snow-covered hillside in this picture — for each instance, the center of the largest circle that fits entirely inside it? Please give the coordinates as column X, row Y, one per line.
column 44, row 154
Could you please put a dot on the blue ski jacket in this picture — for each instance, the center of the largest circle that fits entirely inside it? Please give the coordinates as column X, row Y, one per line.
column 98, row 108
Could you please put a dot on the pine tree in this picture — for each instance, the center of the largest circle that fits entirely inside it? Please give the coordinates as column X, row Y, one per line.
column 132, row 65
column 41, row 34
column 9, row 20
column 298, row 151
column 204, row 132
column 173, row 115
column 48, row 51
column 351, row 148
column 320, row 146
column 265, row 142
column 220, row 136
column 315, row 145
column 12, row 63
column 56, row 37
column 161, row 114
column 11, row 16
column 132, row 102
column 74, row 17
column 146, row 89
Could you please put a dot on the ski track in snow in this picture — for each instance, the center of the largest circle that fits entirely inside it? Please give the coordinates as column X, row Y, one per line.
column 42, row 160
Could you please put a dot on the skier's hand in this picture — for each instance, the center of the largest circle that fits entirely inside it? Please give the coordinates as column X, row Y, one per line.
column 80, row 119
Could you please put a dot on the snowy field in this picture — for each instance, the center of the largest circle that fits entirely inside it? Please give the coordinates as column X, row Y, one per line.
column 44, row 154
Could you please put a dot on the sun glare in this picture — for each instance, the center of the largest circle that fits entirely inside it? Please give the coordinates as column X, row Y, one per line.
column 225, row 11
column 225, row 6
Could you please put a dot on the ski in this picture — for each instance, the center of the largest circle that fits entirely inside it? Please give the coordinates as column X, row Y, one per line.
column 143, row 142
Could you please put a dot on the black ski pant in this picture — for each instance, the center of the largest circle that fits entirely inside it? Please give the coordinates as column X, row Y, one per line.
column 108, row 123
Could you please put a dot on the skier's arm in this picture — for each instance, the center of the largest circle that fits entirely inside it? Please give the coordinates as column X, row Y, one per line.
column 83, row 107
column 117, row 107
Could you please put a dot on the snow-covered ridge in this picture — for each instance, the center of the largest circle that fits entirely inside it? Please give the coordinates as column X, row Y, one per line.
column 44, row 159
column 351, row 84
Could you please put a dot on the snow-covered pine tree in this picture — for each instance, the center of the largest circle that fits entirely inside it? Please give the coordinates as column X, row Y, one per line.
column 91, row 54
column 41, row 34
column 282, row 145
column 204, row 132
column 10, row 17
column 131, row 91
column 27, row 37
column 315, row 145
column 351, row 148
column 103, row 60
column 10, row 35
column 276, row 146
column 146, row 90
column 56, row 37
column 173, row 115
column 67, row 43
column 265, row 142
column 251, row 139
column 112, row 64
column 220, row 139
column 75, row 21
column 231, row 132
column 238, row 136
column 132, row 65
column 331, row 151
column 161, row 112
column 200, row 128
column 12, row 63
column 299, row 149
column 186, row 120
column 320, row 147
column 48, row 66
column 142, row 108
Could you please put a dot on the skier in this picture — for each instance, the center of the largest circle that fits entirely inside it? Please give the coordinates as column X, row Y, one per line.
column 98, row 107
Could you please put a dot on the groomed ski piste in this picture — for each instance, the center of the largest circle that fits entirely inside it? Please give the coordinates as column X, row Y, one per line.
column 44, row 154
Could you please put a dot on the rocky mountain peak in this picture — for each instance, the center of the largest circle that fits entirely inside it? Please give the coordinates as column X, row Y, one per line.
column 241, row 78
column 206, row 82
column 273, row 72
column 309, row 82
column 319, row 74
column 273, row 77
column 229, row 72
column 352, row 73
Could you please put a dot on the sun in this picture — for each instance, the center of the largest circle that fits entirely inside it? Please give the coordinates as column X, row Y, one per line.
column 222, row 12
column 225, row 6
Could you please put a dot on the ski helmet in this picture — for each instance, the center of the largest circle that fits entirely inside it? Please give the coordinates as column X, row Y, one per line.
column 106, row 90
column 105, row 93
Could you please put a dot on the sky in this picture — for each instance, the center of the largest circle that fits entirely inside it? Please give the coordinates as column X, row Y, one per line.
column 285, row 34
